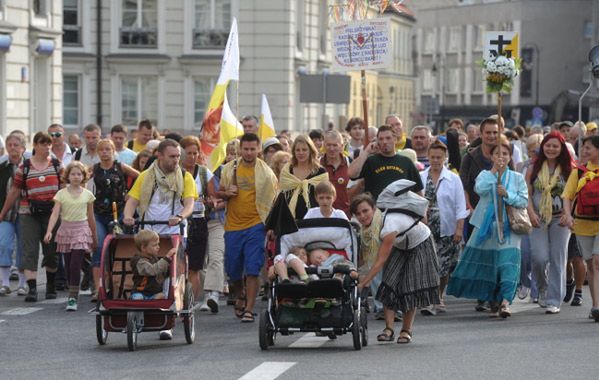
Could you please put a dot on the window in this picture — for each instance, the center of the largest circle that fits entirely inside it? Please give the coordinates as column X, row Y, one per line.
column 70, row 99
column 453, row 78
column 212, row 23
column 455, row 38
column 429, row 41
column 299, row 25
column 139, row 99
column 478, row 80
column 478, row 32
column 39, row 8
column 2, row 10
column 139, row 26
column 71, row 25
column 427, row 80
column 201, row 97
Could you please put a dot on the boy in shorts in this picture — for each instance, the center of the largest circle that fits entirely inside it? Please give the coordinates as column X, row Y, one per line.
column 149, row 271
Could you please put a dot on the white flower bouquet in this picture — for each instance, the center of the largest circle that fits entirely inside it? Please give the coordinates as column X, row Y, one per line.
column 499, row 73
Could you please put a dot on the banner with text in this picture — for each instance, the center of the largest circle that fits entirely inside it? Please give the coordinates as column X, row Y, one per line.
column 362, row 45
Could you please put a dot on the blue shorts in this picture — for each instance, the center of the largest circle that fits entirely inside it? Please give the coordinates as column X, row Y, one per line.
column 7, row 243
column 244, row 252
column 139, row 296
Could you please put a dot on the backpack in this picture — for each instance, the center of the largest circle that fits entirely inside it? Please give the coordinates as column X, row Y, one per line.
column 78, row 153
column 586, row 203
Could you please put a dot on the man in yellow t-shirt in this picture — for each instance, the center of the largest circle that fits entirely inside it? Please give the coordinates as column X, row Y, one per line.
column 162, row 192
column 244, row 227
column 144, row 134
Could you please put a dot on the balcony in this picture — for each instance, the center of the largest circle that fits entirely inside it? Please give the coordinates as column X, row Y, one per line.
column 209, row 39
column 134, row 37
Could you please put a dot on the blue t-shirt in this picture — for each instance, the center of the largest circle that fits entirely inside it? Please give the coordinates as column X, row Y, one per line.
column 126, row 156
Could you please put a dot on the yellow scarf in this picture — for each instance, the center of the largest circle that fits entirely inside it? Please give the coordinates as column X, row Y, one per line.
column 265, row 182
column 547, row 183
column 370, row 240
column 166, row 183
column 290, row 182
column 401, row 142
column 588, row 176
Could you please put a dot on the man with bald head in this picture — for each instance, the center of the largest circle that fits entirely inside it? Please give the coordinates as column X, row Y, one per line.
column 402, row 139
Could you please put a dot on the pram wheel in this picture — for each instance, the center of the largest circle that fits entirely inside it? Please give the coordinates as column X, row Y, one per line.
column 364, row 328
column 131, row 331
column 101, row 334
column 189, row 319
column 266, row 331
column 356, row 331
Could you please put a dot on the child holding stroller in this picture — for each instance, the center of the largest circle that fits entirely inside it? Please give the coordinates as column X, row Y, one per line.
column 149, row 271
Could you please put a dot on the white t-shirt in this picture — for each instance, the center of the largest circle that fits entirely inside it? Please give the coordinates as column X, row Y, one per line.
column 161, row 208
column 397, row 223
column 198, row 206
column 314, row 213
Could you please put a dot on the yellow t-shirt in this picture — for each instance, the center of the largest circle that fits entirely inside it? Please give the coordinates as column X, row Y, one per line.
column 189, row 186
column 241, row 209
column 74, row 209
column 137, row 147
column 581, row 227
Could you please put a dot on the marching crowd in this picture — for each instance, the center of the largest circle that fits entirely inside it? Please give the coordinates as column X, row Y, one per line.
column 468, row 182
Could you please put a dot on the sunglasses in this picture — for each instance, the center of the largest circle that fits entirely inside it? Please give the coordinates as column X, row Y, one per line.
column 56, row 134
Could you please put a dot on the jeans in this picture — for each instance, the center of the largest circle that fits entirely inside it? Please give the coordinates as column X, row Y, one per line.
column 102, row 229
column 549, row 246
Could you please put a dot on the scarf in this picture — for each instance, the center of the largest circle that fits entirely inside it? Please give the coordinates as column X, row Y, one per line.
column 401, row 142
column 547, row 183
column 370, row 239
column 490, row 220
column 155, row 179
column 587, row 177
column 289, row 182
column 265, row 182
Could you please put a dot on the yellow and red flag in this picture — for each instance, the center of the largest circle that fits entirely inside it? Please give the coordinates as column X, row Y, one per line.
column 212, row 132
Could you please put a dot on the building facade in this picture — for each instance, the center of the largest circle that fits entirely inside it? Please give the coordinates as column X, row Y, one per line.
column 555, row 37
column 30, row 65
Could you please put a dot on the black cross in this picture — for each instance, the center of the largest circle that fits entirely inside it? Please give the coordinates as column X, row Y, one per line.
column 500, row 42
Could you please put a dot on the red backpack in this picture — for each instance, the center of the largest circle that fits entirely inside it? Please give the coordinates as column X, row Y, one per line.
column 587, row 199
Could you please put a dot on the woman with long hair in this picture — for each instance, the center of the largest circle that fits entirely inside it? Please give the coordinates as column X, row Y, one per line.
column 549, row 239
column 300, row 176
column 489, row 267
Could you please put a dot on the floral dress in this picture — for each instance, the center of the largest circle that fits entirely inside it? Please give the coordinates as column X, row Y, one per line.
column 447, row 250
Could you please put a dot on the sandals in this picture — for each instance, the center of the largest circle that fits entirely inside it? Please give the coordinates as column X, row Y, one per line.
column 405, row 337
column 239, row 307
column 384, row 337
column 248, row 317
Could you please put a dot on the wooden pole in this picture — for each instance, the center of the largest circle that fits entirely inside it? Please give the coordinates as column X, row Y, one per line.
column 500, row 171
column 364, row 106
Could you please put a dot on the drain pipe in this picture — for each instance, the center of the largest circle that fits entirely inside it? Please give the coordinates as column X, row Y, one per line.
column 99, row 62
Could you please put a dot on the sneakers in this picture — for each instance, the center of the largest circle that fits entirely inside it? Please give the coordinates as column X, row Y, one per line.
column 551, row 309
column 212, row 302
column 482, row 306
column 570, row 286
column 523, row 292
column 595, row 314
column 4, row 291
column 21, row 291
column 542, row 302
column 577, row 300
column 429, row 310
column 166, row 334
column 14, row 274
column 31, row 296
column 204, row 307
column 71, row 304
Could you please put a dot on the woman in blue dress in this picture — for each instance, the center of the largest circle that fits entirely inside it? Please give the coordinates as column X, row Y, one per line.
column 489, row 268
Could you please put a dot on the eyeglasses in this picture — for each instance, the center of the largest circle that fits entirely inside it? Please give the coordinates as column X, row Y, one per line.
column 55, row 134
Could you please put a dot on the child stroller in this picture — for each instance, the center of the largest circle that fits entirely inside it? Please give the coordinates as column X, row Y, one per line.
column 116, row 312
column 328, row 306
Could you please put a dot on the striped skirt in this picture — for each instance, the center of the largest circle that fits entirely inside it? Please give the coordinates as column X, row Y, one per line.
column 73, row 236
column 488, row 272
column 410, row 278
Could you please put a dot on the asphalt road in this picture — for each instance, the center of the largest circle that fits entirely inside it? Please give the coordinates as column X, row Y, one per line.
column 47, row 342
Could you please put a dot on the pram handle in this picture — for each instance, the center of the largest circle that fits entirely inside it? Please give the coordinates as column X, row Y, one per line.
column 326, row 271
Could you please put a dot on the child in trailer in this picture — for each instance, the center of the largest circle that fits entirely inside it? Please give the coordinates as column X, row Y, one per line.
column 325, row 194
column 76, row 235
column 150, row 272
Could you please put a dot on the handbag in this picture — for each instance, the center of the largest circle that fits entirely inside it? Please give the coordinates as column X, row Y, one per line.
column 519, row 220
column 40, row 208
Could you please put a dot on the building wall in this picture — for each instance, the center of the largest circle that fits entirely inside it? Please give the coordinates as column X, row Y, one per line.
column 30, row 82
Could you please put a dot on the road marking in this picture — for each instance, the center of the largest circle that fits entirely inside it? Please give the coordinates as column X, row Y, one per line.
column 2, row 321
column 55, row 301
column 268, row 371
column 22, row 310
column 309, row 340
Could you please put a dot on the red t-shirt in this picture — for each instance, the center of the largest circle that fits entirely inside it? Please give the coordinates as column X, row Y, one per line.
column 41, row 185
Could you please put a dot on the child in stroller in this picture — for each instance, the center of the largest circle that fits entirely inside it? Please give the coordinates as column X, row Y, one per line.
column 299, row 259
